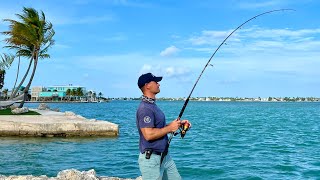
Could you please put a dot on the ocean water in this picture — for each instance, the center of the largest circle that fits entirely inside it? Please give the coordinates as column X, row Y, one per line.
column 228, row 140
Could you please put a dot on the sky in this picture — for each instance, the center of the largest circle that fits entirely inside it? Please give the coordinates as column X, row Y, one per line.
column 105, row 45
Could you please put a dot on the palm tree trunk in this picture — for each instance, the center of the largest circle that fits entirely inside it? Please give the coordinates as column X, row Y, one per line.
column 25, row 76
column 22, row 81
column 26, row 89
column 14, row 86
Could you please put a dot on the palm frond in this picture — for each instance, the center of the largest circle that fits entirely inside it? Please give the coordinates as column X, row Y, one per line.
column 6, row 61
column 31, row 35
column 43, row 56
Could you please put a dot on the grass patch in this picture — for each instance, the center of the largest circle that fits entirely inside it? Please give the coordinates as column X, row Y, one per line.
column 8, row 112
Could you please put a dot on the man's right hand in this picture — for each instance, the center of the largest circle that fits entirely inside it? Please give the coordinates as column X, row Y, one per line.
column 174, row 125
column 156, row 133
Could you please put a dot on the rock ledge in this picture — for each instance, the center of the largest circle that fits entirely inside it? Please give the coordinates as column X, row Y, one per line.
column 55, row 124
column 69, row 174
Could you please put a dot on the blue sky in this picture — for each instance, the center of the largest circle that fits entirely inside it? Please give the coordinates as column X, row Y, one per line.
column 106, row 45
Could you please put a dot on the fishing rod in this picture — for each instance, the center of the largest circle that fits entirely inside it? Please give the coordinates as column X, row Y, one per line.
column 185, row 127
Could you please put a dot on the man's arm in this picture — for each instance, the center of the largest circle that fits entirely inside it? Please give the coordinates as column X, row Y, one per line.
column 156, row 133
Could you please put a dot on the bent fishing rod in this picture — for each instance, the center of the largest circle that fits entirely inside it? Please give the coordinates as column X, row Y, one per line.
column 185, row 127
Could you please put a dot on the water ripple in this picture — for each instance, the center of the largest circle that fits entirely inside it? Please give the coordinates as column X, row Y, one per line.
column 228, row 140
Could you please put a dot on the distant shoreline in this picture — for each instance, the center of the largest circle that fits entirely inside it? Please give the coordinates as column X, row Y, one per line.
column 62, row 102
column 234, row 99
column 171, row 100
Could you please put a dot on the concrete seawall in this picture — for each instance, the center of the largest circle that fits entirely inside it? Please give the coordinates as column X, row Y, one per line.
column 55, row 124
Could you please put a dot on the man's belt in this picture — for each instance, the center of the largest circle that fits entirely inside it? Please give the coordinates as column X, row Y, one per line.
column 148, row 153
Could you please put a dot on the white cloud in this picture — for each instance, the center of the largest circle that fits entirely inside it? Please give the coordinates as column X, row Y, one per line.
column 80, row 2
column 232, row 80
column 131, row 3
column 208, row 37
column 259, row 40
column 62, row 46
column 261, row 4
column 257, row 32
column 94, row 19
column 169, row 51
column 145, row 69
column 175, row 36
column 167, row 71
column 117, row 37
column 58, row 16
column 69, row 19
column 176, row 71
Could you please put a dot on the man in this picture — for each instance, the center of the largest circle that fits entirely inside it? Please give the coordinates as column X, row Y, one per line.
column 153, row 132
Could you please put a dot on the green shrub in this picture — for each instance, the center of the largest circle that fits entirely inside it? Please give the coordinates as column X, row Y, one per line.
column 8, row 112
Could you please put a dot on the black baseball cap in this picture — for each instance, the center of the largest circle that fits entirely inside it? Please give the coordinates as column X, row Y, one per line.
column 146, row 78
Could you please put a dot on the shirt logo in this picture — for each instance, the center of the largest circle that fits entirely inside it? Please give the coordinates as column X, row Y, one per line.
column 147, row 119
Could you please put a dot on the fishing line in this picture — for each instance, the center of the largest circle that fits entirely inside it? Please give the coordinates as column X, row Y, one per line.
column 183, row 130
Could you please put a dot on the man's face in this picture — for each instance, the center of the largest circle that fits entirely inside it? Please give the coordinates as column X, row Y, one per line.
column 154, row 87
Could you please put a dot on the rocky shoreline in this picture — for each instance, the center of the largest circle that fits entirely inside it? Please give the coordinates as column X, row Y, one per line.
column 69, row 174
column 52, row 124
column 55, row 124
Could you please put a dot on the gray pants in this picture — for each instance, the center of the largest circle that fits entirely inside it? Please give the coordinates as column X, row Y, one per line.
column 151, row 169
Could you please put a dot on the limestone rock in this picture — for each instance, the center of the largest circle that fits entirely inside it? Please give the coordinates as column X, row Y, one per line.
column 69, row 113
column 80, row 117
column 56, row 109
column 28, row 177
column 43, row 106
column 20, row 110
column 74, row 174
column 13, row 107
column 51, row 125
column 69, row 174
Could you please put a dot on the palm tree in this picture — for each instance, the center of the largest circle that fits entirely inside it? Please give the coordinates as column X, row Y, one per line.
column 15, row 82
column 79, row 92
column 89, row 94
column 16, row 89
column 73, row 92
column 31, row 38
column 100, row 95
column 6, row 61
column 68, row 93
column 5, row 93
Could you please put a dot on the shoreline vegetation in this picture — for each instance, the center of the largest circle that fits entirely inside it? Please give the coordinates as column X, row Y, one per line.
column 66, row 101
column 216, row 99
column 8, row 111
column 244, row 99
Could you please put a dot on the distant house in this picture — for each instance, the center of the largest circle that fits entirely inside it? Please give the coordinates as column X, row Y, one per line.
column 91, row 95
column 35, row 92
column 54, row 93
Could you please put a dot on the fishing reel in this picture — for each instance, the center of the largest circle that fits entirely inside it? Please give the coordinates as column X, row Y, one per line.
column 183, row 129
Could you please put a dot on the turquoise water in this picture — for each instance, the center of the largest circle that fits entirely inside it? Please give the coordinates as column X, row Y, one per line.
column 228, row 140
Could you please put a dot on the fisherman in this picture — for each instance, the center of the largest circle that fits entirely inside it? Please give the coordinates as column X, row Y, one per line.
column 154, row 160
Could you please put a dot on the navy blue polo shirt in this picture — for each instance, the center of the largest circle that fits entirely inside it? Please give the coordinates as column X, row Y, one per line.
column 149, row 115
